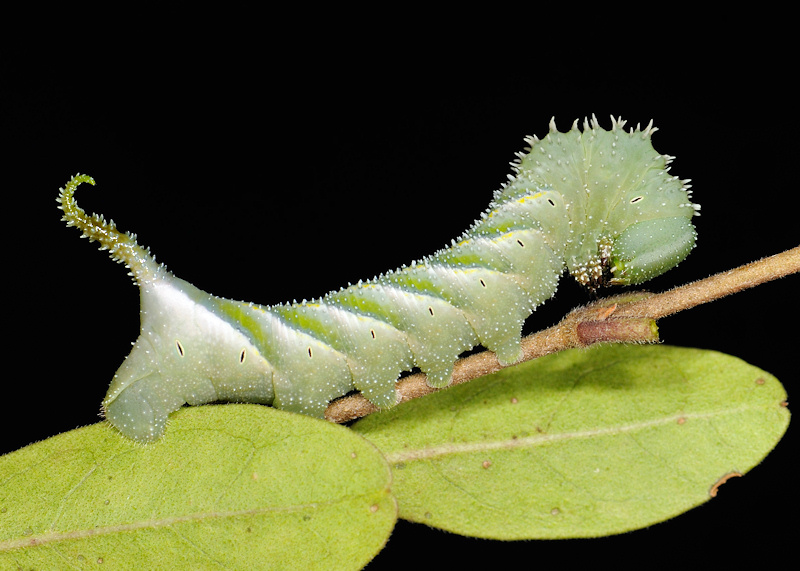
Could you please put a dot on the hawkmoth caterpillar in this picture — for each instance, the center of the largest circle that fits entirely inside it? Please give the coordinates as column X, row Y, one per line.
column 598, row 203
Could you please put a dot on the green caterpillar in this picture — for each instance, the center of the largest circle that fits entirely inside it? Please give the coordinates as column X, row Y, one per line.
column 598, row 203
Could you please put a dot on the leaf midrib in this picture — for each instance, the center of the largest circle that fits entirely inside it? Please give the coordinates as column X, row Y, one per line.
column 427, row 453
column 54, row 537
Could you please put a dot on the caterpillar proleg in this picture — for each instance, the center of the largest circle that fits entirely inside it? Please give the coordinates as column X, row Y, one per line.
column 598, row 203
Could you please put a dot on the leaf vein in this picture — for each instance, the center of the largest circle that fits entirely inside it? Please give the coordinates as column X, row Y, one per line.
column 539, row 439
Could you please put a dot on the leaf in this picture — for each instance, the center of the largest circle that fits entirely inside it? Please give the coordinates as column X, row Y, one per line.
column 584, row 443
column 228, row 487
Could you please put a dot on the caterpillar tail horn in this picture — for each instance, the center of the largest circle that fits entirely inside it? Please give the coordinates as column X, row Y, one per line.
column 122, row 247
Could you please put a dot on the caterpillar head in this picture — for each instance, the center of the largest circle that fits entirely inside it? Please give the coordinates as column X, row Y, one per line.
column 648, row 249
column 643, row 251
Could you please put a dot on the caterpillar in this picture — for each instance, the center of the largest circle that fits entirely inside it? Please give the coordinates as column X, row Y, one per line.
column 598, row 203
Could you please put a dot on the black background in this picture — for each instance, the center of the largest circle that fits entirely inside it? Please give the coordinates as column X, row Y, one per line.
column 268, row 176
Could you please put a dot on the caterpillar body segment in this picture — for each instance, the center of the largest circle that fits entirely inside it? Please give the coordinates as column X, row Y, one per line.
column 598, row 203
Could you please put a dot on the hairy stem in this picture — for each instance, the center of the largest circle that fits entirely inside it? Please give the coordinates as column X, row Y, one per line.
column 628, row 318
column 717, row 286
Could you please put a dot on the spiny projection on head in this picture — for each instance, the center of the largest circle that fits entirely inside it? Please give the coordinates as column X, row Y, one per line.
column 598, row 203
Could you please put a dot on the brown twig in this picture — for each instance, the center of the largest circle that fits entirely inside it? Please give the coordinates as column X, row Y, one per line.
column 717, row 286
column 628, row 318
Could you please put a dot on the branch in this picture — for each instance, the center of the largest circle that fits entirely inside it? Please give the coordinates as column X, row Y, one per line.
column 626, row 318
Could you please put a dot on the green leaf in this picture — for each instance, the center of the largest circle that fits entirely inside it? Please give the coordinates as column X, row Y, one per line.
column 583, row 443
column 228, row 487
